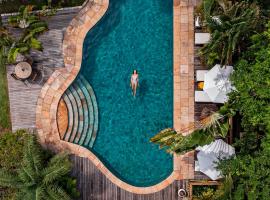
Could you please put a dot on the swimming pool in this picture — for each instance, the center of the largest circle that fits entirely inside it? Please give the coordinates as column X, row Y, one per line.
column 132, row 35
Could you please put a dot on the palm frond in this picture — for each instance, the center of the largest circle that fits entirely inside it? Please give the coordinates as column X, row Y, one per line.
column 8, row 179
column 40, row 193
column 36, row 44
column 12, row 54
column 56, row 193
column 57, row 167
column 32, row 156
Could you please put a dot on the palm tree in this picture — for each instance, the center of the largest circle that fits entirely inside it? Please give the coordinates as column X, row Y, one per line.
column 230, row 24
column 38, row 179
column 205, row 131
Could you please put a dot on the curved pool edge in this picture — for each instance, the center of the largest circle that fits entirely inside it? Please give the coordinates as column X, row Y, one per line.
column 53, row 89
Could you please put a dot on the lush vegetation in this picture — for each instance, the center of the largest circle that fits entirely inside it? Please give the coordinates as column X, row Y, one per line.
column 8, row 6
column 230, row 23
column 11, row 146
column 240, row 38
column 204, row 132
column 32, row 26
column 251, row 169
column 4, row 105
column 29, row 172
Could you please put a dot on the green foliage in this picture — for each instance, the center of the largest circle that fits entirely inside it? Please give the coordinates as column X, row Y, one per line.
column 175, row 142
column 32, row 27
column 206, row 194
column 250, row 171
column 11, row 149
column 251, row 176
column 4, row 104
column 216, row 125
column 9, row 6
column 39, row 174
column 230, row 24
column 252, row 82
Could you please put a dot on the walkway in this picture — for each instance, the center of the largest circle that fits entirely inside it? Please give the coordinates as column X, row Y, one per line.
column 23, row 99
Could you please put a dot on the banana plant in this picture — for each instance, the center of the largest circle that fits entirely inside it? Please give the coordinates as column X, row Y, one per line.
column 26, row 19
column 204, row 132
column 32, row 27
column 230, row 24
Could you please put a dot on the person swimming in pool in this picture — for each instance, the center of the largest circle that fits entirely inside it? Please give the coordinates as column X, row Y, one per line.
column 134, row 82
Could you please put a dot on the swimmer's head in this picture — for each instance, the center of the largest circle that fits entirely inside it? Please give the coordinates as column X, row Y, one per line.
column 134, row 71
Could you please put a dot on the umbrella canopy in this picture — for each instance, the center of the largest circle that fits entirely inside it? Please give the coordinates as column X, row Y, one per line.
column 209, row 156
column 217, row 84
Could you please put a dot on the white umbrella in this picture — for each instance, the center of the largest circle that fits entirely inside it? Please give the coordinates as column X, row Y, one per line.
column 209, row 156
column 217, row 83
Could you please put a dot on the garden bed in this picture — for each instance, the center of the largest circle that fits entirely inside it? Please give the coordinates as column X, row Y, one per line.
column 4, row 103
column 9, row 6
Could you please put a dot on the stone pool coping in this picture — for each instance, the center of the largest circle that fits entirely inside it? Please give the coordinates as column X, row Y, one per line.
column 46, row 112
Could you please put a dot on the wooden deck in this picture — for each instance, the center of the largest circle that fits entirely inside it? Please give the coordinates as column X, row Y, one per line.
column 201, row 109
column 23, row 99
column 95, row 186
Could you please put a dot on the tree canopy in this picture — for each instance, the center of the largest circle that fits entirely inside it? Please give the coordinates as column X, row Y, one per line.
column 33, row 173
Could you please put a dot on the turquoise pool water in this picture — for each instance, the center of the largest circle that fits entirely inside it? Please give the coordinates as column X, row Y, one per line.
column 133, row 34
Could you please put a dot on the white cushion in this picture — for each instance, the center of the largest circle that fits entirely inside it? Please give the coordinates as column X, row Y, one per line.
column 202, row 38
column 200, row 75
column 201, row 96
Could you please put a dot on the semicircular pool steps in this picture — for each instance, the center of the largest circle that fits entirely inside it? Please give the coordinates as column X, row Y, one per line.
column 90, row 140
column 82, row 112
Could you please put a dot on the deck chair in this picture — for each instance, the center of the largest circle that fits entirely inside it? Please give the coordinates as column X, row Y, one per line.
column 13, row 75
column 201, row 96
column 200, row 75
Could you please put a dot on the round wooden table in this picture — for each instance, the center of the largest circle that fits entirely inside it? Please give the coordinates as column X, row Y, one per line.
column 23, row 70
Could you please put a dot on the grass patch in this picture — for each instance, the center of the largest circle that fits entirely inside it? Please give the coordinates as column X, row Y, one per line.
column 4, row 102
column 9, row 6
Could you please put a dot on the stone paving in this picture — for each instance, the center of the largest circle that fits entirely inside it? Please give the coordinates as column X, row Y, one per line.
column 46, row 113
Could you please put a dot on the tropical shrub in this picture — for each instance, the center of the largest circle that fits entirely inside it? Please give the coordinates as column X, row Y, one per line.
column 40, row 175
column 32, row 27
column 250, row 170
column 11, row 149
column 251, row 176
column 252, row 82
column 205, row 131
column 230, row 23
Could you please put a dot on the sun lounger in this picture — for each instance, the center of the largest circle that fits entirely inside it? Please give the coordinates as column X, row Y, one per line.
column 200, row 75
column 202, row 38
column 201, row 96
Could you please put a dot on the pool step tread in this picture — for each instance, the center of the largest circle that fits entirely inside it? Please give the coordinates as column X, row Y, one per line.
column 70, row 116
column 90, row 112
column 82, row 113
column 90, row 142
column 86, row 118
column 75, row 115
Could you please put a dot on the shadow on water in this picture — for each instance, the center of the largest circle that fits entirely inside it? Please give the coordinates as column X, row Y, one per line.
column 142, row 89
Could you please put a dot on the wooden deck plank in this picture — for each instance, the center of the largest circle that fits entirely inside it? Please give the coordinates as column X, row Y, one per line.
column 93, row 185
column 23, row 99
